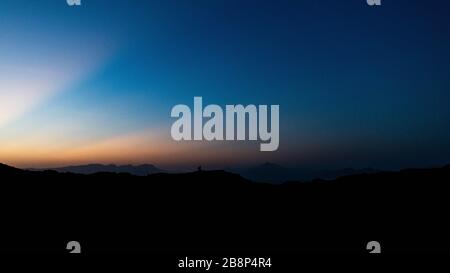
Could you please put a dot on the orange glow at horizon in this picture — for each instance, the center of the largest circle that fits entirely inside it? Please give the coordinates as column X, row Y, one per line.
column 135, row 148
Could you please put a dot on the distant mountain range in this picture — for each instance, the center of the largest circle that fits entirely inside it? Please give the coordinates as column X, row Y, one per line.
column 267, row 172
column 270, row 172
column 139, row 170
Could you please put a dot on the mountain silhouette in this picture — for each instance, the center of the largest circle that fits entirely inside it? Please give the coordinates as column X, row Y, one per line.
column 221, row 212
column 274, row 173
column 140, row 170
column 8, row 171
column 267, row 172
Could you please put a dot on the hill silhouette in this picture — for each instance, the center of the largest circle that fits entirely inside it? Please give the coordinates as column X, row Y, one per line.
column 274, row 173
column 218, row 211
column 140, row 170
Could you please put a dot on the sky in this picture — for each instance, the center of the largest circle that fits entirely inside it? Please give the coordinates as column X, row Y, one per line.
column 358, row 86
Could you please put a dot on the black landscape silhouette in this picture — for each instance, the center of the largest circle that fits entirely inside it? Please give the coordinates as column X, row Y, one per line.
column 218, row 211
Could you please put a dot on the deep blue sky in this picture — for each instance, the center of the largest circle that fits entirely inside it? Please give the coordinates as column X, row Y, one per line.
column 358, row 86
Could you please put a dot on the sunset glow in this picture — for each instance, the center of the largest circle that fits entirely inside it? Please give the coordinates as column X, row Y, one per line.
column 91, row 84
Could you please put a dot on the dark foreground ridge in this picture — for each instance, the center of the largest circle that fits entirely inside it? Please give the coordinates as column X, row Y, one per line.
column 217, row 211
